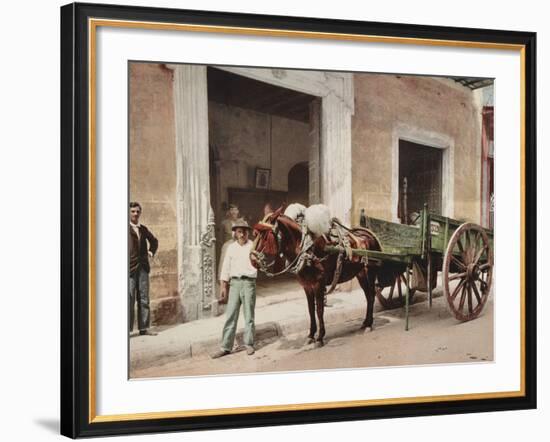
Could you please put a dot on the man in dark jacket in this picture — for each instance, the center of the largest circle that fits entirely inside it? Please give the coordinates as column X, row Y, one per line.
column 138, row 257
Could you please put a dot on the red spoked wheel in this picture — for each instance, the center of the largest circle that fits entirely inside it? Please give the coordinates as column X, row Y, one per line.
column 395, row 296
column 468, row 271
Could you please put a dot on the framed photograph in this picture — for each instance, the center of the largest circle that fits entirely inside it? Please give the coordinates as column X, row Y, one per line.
column 262, row 178
column 276, row 220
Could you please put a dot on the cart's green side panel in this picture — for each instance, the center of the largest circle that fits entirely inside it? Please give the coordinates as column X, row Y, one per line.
column 397, row 238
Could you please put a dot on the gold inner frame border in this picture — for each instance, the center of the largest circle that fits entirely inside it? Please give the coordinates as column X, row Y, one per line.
column 93, row 24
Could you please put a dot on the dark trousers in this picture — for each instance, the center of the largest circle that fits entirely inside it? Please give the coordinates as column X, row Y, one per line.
column 139, row 285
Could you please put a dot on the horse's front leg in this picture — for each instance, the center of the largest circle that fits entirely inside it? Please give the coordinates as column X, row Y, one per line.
column 311, row 309
column 320, row 306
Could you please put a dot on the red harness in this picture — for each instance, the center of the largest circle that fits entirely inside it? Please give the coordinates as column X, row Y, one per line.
column 270, row 244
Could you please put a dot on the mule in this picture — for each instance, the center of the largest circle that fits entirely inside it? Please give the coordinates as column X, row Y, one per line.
column 279, row 235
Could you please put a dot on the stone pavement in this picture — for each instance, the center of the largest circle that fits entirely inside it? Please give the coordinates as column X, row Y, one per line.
column 277, row 314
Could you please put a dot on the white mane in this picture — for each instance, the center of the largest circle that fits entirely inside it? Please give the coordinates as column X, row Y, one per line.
column 295, row 210
column 317, row 219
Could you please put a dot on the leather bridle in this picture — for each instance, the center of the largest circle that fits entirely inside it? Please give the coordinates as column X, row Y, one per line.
column 294, row 266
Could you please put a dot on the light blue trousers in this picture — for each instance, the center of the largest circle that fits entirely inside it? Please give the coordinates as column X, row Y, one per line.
column 241, row 292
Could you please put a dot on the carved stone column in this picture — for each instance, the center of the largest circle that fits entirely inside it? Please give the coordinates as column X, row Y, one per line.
column 194, row 214
column 336, row 189
column 314, row 152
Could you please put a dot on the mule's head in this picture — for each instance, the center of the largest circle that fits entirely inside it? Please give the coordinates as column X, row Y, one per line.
column 267, row 244
column 277, row 237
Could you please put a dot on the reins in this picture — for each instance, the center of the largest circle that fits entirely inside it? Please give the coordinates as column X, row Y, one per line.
column 305, row 250
column 294, row 266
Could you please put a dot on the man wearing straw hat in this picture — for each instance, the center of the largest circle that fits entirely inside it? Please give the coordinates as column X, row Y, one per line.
column 233, row 217
column 238, row 287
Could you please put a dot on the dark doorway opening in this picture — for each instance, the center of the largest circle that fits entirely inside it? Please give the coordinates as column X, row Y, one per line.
column 256, row 126
column 298, row 184
column 263, row 141
column 420, row 179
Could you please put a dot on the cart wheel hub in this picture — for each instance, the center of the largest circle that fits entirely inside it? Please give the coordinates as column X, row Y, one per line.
column 472, row 271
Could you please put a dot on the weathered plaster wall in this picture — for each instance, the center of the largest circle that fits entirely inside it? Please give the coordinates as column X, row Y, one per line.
column 153, row 178
column 424, row 105
column 245, row 140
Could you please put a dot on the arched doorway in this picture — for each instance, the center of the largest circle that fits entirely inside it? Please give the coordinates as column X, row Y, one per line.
column 298, row 184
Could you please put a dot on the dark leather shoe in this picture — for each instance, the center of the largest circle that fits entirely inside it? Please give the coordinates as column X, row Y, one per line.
column 220, row 353
column 147, row 333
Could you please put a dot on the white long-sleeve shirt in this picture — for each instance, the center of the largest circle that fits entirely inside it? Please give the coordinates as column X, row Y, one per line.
column 237, row 263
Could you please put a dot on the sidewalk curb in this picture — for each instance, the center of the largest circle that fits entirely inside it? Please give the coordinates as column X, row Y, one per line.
column 265, row 332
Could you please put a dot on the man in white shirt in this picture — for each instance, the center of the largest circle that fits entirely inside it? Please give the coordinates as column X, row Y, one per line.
column 233, row 217
column 238, row 287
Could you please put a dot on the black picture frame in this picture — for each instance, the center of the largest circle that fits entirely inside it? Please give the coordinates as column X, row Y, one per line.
column 262, row 178
column 77, row 417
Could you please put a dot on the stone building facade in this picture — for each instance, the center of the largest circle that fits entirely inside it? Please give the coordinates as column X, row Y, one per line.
column 429, row 111
column 189, row 151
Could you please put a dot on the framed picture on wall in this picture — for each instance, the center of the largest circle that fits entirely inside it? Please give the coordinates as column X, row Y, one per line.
column 391, row 126
column 262, row 178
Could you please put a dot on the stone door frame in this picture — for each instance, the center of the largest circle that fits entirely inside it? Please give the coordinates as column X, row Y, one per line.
column 195, row 230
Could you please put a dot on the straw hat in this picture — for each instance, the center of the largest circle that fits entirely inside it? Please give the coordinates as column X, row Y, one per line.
column 241, row 224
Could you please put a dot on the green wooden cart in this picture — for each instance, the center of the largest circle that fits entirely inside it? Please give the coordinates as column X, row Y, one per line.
column 412, row 255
